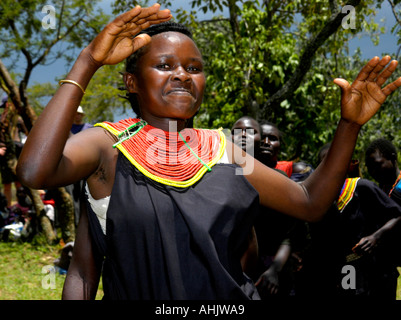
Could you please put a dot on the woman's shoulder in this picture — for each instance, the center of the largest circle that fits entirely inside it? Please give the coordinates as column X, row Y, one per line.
column 117, row 127
column 93, row 138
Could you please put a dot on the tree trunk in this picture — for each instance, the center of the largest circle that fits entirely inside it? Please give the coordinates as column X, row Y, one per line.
column 63, row 199
column 66, row 213
column 306, row 60
column 26, row 111
column 44, row 221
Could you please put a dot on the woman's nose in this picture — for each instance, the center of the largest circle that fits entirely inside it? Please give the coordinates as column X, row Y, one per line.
column 265, row 141
column 181, row 74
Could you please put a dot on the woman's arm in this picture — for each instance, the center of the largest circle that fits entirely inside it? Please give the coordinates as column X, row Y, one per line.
column 269, row 280
column 311, row 199
column 367, row 244
column 49, row 158
column 43, row 161
column 82, row 280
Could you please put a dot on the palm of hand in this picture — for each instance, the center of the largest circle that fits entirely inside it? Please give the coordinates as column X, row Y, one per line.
column 366, row 99
column 119, row 39
column 361, row 100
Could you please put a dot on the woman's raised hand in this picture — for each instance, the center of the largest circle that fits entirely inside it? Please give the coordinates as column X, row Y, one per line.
column 117, row 40
column 361, row 100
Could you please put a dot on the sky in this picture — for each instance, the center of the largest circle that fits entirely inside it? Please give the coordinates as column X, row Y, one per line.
column 388, row 41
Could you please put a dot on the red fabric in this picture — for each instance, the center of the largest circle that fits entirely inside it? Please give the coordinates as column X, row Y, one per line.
column 285, row 166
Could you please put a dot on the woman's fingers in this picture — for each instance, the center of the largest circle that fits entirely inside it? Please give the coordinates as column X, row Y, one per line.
column 138, row 18
column 373, row 71
column 390, row 88
column 154, row 19
column 140, row 41
column 138, row 13
column 378, row 68
column 346, row 92
column 126, row 17
column 367, row 69
column 383, row 76
column 153, row 13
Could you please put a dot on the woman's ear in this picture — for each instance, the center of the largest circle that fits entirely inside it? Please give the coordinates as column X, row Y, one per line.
column 130, row 82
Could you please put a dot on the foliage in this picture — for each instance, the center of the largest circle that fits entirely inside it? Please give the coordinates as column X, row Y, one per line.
column 21, row 28
column 102, row 99
column 30, row 44
column 248, row 65
column 251, row 52
column 40, row 94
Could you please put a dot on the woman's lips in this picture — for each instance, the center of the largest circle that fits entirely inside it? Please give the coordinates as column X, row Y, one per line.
column 265, row 150
column 180, row 92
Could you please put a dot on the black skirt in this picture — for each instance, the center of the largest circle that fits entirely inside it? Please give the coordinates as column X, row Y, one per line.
column 169, row 243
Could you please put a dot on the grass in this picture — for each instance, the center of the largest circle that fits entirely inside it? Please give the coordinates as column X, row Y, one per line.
column 399, row 285
column 23, row 271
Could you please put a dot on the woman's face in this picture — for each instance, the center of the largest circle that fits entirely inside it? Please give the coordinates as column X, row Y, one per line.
column 170, row 81
column 246, row 134
column 381, row 169
column 270, row 142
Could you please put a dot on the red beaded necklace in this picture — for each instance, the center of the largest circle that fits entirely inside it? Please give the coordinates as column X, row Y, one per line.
column 173, row 158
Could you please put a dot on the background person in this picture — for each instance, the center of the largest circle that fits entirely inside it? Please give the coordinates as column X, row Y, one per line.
column 270, row 148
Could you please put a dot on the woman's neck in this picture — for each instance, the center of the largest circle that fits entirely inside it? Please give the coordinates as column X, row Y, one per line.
column 167, row 124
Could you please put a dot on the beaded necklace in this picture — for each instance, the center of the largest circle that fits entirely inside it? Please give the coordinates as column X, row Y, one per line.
column 347, row 193
column 395, row 183
column 177, row 159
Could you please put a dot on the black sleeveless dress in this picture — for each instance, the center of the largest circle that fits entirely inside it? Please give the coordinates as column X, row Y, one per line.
column 165, row 242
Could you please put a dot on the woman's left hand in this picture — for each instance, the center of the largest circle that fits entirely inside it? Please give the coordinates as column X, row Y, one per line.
column 361, row 100
column 118, row 40
column 365, row 245
column 268, row 282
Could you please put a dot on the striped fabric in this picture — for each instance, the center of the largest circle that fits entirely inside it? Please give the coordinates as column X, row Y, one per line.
column 347, row 192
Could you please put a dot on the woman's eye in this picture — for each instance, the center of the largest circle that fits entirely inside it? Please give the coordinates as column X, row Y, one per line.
column 163, row 66
column 193, row 69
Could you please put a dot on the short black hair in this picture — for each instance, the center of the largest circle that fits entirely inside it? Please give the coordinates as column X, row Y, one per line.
column 131, row 61
column 322, row 150
column 386, row 148
column 266, row 122
column 248, row 118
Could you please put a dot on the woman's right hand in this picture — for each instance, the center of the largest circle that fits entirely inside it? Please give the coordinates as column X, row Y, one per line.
column 117, row 40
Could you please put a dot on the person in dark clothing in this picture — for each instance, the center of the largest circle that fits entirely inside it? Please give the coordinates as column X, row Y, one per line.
column 172, row 206
column 246, row 133
column 11, row 127
column 270, row 239
column 79, row 123
column 382, row 164
column 270, row 148
column 369, row 223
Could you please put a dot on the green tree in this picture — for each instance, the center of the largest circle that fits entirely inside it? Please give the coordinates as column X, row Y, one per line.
column 276, row 60
column 387, row 122
column 102, row 99
column 36, row 36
